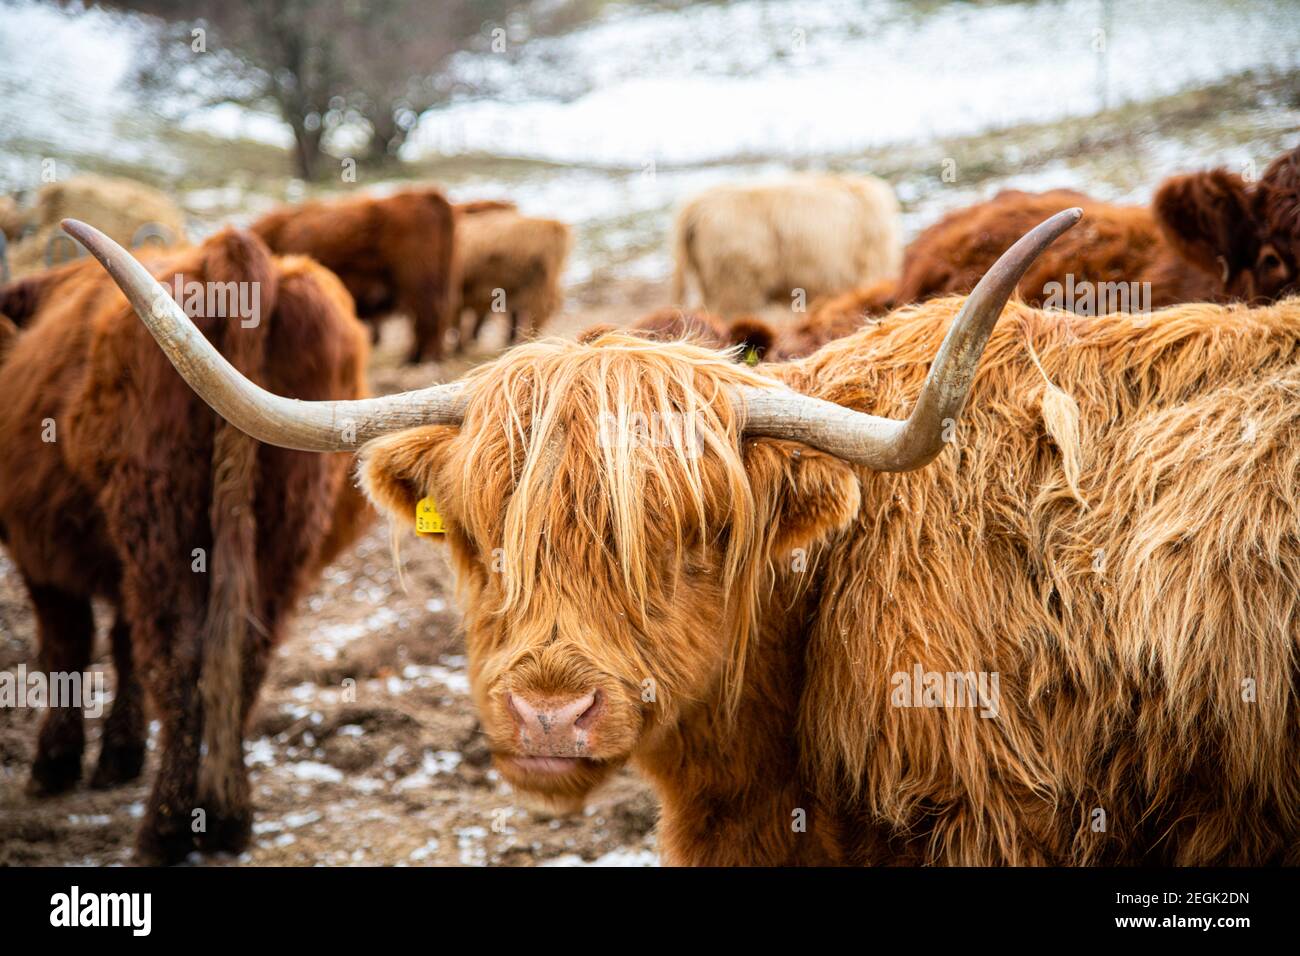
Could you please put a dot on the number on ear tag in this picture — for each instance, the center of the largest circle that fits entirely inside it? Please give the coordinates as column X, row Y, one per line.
column 427, row 518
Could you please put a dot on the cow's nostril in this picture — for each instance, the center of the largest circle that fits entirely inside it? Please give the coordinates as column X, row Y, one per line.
column 588, row 716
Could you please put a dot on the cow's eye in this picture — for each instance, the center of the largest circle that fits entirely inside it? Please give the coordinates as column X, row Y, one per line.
column 1269, row 262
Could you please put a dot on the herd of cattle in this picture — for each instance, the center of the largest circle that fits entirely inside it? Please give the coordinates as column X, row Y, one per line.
column 728, row 548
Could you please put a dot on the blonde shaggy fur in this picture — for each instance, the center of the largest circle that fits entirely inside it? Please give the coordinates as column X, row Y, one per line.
column 748, row 245
column 1125, row 555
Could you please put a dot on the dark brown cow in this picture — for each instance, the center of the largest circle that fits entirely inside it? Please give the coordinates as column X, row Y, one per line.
column 750, row 335
column 1244, row 235
column 116, row 482
column 395, row 253
column 834, row 317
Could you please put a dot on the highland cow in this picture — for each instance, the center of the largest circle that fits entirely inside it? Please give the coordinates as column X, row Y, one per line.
column 130, row 212
column 1207, row 237
column 509, row 264
column 747, row 246
column 749, row 336
column 118, row 483
column 1115, row 246
column 1244, row 235
column 394, row 254
column 834, row 317
column 840, row 615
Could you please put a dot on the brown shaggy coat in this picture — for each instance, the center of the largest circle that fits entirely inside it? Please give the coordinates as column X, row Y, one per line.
column 116, row 482
column 1112, row 244
column 833, row 317
column 749, row 335
column 394, row 254
column 1108, row 592
column 511, row 265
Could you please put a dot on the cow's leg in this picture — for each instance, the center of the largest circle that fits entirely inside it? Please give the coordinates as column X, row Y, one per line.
column 430, row 327
column 66, row 628
column 122, row 747
column 170, row 675
column 480, row 320
column 514, row 326
column 463, row 329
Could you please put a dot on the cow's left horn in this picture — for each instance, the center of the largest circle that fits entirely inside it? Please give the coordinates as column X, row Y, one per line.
column 286, row 422
column 887, row 444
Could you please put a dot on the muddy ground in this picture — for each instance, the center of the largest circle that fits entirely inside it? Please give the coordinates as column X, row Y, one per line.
column 365, row 748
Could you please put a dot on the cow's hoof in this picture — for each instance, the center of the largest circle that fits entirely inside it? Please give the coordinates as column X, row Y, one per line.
column 118, row 764
column 54, row 773
column 226, row 834
column 163, row 845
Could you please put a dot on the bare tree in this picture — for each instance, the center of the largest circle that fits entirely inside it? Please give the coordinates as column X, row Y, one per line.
column 322, row 64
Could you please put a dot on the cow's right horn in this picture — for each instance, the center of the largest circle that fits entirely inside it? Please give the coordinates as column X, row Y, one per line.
column 286, row 422
column 888, row 444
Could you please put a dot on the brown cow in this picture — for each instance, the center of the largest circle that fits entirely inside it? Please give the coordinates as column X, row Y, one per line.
column 749, row 335
column 829, row 638
column 834, row 317
column 509, row 264
column 1114, row 245
column 1246, row 236
column 395, row 253
column 1208, row 236
column 116, row 482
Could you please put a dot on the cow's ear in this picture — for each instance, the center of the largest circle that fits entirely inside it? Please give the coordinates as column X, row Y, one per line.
column 397, row 470
column 808, row 496
column 1207, row 218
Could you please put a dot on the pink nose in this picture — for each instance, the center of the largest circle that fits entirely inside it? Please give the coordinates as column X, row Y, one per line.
column 554, row 726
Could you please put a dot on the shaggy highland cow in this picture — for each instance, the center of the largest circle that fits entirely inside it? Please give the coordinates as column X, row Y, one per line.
column 117, row 482
column 394, row 254
column 834, row 317
column 839, row 617
column 747, row 246
column 1246, row 236
column 130, row 212
column 509, row 264
column 1207, row 237
column 1114, row 247
column 749, row 335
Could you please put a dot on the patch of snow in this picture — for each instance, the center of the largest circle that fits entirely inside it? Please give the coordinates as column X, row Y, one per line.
column 313, row 771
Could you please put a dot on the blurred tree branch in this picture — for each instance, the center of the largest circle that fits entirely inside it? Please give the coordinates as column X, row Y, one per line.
column 325, row 65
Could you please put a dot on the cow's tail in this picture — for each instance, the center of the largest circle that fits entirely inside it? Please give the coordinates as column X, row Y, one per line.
column 682, row 256
column 231, row 620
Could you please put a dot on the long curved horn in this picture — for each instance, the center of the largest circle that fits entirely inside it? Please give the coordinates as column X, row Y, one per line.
column 286, row 422
column 887, row 444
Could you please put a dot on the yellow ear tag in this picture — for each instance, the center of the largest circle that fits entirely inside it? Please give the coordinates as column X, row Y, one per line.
column 427, row 519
